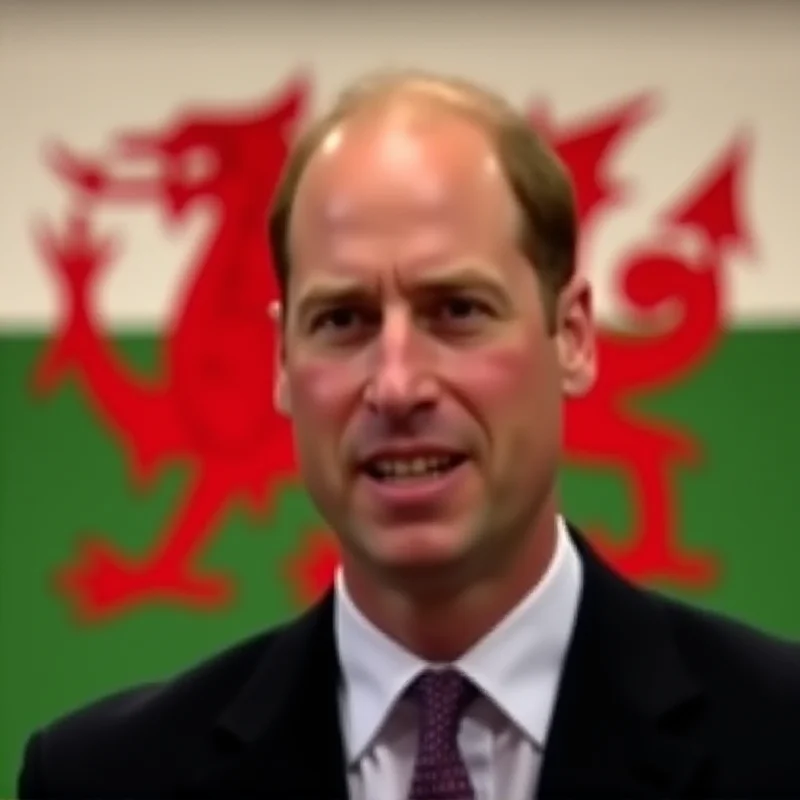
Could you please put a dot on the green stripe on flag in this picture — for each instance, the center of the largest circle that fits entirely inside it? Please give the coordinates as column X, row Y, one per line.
column 61, row 475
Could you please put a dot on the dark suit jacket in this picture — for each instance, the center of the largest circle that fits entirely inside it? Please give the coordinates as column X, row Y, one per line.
column 657, row 700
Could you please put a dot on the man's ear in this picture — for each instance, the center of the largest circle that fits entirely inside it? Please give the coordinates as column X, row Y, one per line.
column 281, row 396
column 576, row 338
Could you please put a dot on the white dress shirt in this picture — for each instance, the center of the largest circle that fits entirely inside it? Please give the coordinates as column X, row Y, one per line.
column 517, row 667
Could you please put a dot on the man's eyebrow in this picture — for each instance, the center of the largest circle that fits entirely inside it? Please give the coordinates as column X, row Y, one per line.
column 457, row 276
column 331, row 290
column 327, row 291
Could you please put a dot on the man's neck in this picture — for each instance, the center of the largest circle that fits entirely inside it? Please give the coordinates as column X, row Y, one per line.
column 442, row 626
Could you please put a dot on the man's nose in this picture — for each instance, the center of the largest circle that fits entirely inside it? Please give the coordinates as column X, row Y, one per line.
column 402, row 382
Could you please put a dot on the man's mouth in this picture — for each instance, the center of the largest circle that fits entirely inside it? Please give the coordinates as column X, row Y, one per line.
column 396, row 469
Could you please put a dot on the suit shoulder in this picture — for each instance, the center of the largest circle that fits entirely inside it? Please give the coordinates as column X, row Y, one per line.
column 135, row 730
column 735, row 653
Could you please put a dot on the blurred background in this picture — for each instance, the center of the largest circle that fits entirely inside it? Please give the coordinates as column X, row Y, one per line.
column 149, row 508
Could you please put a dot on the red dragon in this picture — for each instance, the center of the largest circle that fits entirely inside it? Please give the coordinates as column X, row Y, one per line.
column 212, row 408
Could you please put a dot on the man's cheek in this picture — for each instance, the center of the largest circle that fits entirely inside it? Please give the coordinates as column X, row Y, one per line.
column 317, row 388
column 499, row 378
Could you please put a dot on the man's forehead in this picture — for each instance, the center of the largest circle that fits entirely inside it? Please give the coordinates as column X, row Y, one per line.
column 390, row 190
column 388, row 186
column 396, row 143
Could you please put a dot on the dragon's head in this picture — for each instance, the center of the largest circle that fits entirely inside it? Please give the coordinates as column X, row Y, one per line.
column 206, row 155
column 201, row 156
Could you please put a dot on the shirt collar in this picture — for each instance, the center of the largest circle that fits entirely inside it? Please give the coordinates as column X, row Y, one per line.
column 517, row 664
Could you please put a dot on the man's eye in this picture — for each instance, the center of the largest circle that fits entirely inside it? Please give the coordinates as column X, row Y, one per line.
column 336, row 318
column 339, row 320
column 461, row 308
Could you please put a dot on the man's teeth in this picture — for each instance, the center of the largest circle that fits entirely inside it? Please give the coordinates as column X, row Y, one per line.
column 412, row 467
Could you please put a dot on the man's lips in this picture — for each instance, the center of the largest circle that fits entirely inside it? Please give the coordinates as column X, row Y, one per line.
column 416, row 486
column 418, row 460
column 408, row 468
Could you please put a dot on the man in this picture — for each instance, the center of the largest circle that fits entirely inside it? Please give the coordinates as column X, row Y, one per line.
column 473, row 646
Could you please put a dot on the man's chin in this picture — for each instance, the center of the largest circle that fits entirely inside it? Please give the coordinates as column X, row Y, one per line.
column 420, row 547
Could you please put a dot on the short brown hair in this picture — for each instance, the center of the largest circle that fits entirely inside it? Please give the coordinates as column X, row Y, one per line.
column 540, row 182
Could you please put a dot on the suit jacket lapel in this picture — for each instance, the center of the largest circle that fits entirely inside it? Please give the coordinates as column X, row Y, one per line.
column 627, row 722
column 628, row 717
column 281, row 736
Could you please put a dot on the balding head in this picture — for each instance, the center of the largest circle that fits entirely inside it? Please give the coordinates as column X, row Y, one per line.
column 401, row 101
column 392, row 170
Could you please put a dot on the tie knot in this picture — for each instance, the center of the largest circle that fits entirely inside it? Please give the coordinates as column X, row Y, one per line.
column 443, row 696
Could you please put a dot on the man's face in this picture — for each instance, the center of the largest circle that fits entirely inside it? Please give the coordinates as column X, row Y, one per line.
column 425, row 387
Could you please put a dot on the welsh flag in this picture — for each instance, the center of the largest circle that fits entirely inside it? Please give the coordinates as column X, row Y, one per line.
column 150, row 510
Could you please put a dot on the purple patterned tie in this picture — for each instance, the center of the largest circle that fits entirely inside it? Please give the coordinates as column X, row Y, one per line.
column 439, row 771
